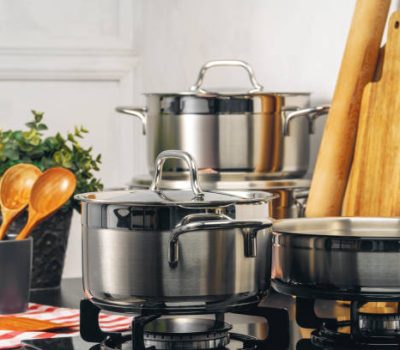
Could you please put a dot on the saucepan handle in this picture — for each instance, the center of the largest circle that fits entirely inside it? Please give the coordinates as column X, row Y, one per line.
column 225, row 63
column 212, row 221
column 300, row 199
column 311, row 114
column 138, row 112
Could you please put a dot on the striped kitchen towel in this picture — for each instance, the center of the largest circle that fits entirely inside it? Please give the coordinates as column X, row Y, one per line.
column 12, row 339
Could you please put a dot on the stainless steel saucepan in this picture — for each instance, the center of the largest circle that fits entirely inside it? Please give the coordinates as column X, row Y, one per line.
column 251, row 131
column 175, row 249
column 337, row 258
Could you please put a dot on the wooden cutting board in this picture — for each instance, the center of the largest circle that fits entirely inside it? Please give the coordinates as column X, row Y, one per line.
column 358, row 66
column 373, row 187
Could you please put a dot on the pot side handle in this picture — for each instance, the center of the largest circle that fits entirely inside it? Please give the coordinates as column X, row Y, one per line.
column 300, row 199
column 138, row 112
column 215, row 222
column 311, row 114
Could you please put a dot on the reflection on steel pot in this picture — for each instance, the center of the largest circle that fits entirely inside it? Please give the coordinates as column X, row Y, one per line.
column 175, row 249
column 337, row 258
column 291, row 194
column 251, row 131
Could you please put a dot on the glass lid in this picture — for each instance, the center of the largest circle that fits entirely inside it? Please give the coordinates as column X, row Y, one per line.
column 193, row 197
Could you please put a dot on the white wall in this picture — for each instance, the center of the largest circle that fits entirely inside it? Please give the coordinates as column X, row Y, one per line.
column 77, row 60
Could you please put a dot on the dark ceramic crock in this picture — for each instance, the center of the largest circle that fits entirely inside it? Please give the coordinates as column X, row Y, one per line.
column 50, row 240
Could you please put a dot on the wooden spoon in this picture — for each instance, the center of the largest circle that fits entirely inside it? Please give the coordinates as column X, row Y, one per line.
column 16, row 186
column 25, row 324
column 51, row 190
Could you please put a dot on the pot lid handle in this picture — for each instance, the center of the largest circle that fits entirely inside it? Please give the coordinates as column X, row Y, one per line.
column 186, row 157
column 225, row 63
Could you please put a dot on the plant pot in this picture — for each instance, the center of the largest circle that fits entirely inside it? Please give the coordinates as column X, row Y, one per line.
column 50, row 239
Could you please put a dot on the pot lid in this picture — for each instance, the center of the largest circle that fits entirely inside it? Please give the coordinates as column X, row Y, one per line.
column 256, row 88
column 174, row 197
column 194, row 197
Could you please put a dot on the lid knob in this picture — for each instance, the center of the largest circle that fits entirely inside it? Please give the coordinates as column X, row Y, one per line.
column 188, row 159
column 225, row 63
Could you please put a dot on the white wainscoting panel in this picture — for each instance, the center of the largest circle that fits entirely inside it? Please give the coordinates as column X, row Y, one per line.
column 55, row 24
column 76, row 61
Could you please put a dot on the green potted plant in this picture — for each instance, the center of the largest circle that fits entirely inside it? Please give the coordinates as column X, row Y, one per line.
column 31, row 146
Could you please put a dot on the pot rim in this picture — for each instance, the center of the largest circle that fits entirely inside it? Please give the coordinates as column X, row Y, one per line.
column 224, row 181
column 227, row 94
column 341, row 227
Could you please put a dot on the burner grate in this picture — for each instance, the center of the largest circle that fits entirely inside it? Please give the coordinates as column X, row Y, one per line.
column 367, row 330
column 150, row 332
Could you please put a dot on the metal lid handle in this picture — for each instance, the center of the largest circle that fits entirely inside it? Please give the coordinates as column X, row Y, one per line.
column 186, row 157
column 225, row 63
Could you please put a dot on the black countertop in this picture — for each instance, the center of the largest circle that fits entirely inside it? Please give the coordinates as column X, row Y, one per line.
column 69, row 295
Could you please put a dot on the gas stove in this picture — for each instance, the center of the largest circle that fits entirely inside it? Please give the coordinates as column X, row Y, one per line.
column 163, row 330
column 279, row 323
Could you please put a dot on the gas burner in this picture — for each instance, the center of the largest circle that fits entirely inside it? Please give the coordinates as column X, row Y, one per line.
column 379, row 324
column 365, row 329
column 331, row 336
column 186, row 333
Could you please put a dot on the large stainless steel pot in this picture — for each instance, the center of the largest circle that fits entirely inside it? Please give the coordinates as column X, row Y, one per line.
column 337, row 258
column 291, row 194
column 175, row 249
column 252, row 131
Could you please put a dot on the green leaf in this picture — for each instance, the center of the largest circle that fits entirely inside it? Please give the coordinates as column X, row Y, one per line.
column 71, row 137
column 57, row 157
column 11, row 153
column 38, row 116
column 31, row 125
column 42, row 127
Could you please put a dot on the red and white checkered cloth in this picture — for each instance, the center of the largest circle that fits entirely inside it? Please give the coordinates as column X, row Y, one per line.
column 12, row 339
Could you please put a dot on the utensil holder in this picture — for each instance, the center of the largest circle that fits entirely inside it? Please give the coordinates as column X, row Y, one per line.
column 15, row 275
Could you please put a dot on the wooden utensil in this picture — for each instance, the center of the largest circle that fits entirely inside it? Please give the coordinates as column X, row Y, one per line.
column 25, row 324
column 357, row 69
column 15, row 189
column 51, row 190
column 373, row 188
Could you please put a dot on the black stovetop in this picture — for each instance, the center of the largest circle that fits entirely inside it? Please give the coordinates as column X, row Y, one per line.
column 71, row 294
